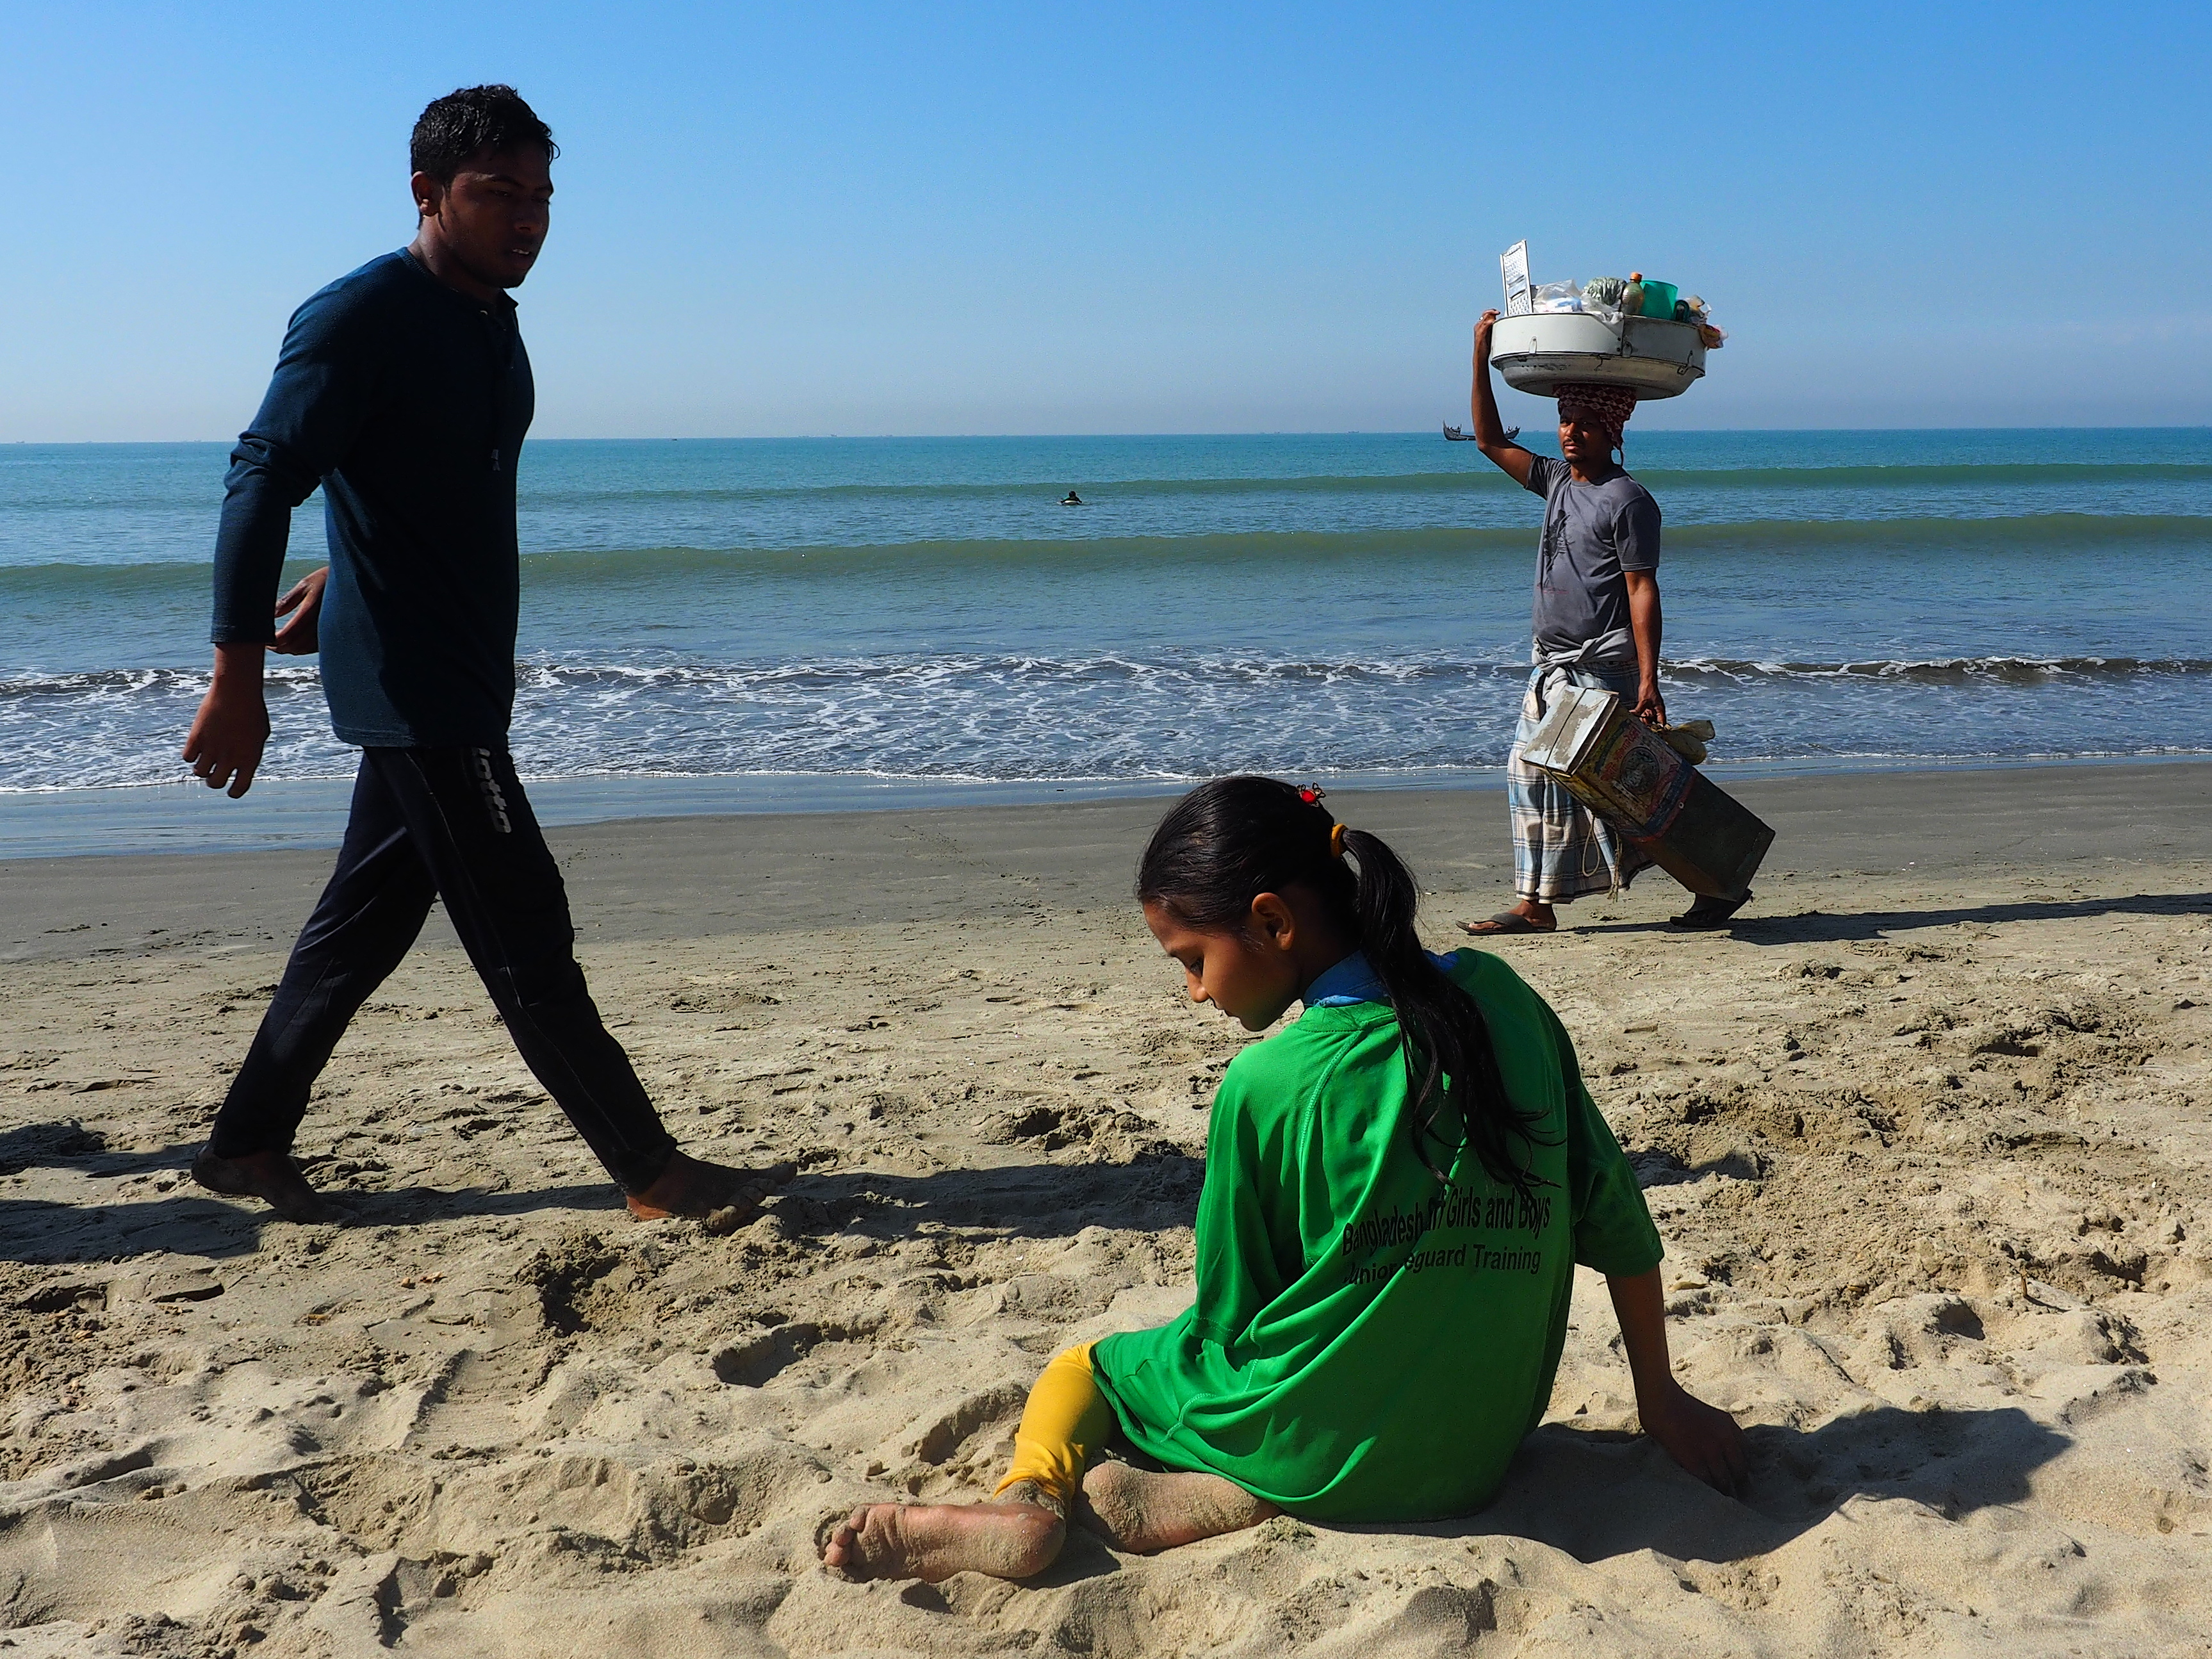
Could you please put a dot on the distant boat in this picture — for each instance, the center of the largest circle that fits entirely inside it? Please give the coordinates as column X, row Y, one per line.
column 1457, row 436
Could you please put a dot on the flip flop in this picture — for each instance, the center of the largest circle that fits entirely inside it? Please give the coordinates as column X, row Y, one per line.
column 1709, row 913
column 1505, row 921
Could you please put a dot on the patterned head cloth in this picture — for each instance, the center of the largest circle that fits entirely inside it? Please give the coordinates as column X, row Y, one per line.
column 1610, row 406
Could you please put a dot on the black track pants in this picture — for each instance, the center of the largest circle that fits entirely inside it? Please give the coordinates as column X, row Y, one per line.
column 449, row 823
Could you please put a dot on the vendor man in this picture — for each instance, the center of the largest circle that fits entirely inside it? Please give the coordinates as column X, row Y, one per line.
column 404, row 391
column 1596, row 623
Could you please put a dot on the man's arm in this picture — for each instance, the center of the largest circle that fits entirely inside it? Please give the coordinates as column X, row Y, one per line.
column 315, row 404
column 1643, row 624
column 1702, row 1438
column 1482, row 405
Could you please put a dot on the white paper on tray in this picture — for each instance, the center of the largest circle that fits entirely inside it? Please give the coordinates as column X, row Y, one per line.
column 1514, row 265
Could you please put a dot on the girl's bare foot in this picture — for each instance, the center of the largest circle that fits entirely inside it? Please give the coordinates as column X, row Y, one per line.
column 933, row 1541
column 1140, row 1512
column 270, row 1176
column 689, row 1186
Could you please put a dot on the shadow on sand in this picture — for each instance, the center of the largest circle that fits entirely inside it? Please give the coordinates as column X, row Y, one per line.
column 1157, row 1188
column 1823, row 927
column 188, row 1221
column 1597, row 1494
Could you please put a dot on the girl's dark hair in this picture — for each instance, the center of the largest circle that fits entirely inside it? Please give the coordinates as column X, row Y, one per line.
column 455, row 127
column 1229, row 841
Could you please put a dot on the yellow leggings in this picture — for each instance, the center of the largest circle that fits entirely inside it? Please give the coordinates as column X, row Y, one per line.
column 1065, row 1420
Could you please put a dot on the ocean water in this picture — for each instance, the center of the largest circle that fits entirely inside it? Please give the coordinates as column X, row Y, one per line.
column 814, row 614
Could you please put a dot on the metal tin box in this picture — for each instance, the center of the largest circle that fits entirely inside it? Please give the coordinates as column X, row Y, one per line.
column 1615, row 765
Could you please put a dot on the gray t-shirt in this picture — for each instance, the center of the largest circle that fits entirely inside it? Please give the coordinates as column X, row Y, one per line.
column 1592, row 532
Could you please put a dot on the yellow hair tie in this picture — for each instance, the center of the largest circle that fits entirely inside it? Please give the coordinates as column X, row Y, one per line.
column 1336, row 840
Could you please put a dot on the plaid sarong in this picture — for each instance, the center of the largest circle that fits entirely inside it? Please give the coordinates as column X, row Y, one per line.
column 1560, row 850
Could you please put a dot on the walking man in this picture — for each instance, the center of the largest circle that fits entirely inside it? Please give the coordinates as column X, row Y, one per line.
column 404, row 391
column 1596, row 623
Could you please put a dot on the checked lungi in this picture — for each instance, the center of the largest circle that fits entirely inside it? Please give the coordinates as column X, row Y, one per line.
column 1560, row 850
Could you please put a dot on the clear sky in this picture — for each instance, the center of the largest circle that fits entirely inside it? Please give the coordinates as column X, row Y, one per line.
column 1033, row 218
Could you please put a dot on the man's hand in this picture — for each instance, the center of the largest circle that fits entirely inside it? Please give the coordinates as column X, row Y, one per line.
column 1645, row 625
column 231, row 728
column 1482, row 407
column 302, row 636
column 1704, row 1439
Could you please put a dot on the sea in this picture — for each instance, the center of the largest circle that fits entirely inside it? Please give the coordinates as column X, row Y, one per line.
column 840, row 623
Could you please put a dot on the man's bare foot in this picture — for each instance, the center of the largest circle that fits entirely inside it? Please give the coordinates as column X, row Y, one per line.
column 933, row 1541
column 270, row 1176
column 1140, row 1512
column 714, row 1192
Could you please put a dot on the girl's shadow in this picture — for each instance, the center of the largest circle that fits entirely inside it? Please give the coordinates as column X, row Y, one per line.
column 1595, row 1494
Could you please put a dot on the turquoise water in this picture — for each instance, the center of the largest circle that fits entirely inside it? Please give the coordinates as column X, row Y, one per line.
column 1336, row 607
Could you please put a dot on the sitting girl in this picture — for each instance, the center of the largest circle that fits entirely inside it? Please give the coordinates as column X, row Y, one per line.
column 1397, row 1188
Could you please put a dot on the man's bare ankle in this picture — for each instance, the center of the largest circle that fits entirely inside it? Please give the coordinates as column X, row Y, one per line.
column 687, row 1186
column 270, row 1175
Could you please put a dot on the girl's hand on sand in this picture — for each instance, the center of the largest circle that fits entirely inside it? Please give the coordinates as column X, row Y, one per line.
column 300, row 637
column 1704, row 1439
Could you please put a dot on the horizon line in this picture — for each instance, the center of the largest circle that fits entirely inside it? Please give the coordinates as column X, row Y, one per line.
column 1032, row 437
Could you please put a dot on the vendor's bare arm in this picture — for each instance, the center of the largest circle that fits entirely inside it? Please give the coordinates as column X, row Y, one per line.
column 1702, row 1438
column 1482, row 407
column 1643, row 622
column 231, row 728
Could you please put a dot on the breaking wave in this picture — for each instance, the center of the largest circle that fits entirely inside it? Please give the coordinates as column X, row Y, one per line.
column 183, row 581
column 1175, row 713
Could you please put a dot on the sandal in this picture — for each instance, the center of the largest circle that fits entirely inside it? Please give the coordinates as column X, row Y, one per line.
column 1505, row 921
column 1708, row 914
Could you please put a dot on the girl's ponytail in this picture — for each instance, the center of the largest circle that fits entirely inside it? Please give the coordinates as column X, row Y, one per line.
column 1228, row 841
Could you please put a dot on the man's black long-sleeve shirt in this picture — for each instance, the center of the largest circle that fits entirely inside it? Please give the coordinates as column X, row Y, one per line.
column 407, row 401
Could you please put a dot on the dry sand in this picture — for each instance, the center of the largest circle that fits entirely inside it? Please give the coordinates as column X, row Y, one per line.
column 1928, row 1145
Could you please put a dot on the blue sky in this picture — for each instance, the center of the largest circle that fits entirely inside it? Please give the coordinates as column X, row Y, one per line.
column 1038, row 218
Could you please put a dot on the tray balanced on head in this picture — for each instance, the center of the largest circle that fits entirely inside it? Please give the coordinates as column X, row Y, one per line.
column 1650, row 355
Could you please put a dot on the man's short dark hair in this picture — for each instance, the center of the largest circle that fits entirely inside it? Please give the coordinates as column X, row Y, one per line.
column 458, row 125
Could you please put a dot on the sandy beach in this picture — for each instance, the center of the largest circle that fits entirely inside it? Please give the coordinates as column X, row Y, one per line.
column 1927, row 1137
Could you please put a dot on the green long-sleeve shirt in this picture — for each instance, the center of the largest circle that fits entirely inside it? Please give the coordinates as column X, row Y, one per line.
column 1366, row 1344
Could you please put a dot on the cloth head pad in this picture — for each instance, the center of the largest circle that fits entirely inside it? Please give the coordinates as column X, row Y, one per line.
column 1609, row 407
